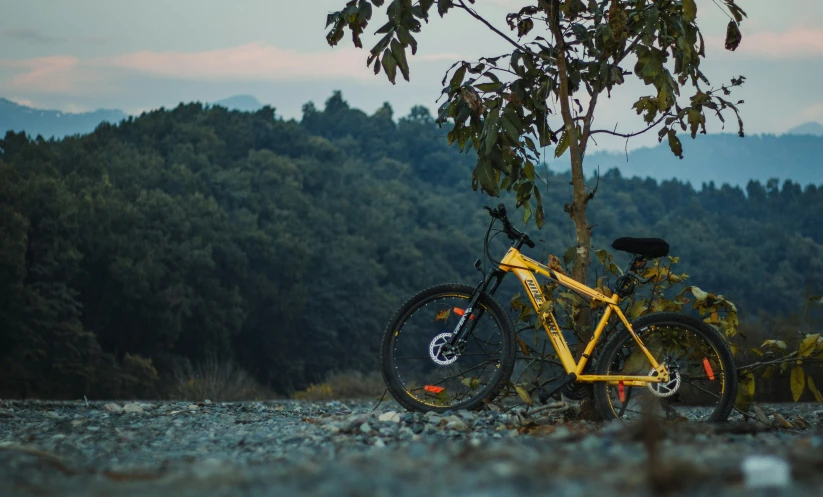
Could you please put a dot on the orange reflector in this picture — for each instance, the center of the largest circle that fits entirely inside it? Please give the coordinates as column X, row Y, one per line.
column 433, row 389
column 621, row 391
column 708, row 368
column 460, row 312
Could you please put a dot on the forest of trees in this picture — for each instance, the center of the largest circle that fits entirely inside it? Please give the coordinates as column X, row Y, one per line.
column 285, row 246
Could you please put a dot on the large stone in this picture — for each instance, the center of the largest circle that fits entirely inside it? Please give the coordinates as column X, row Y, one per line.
column 113, row 408
column 390, row 416
column 132, row 408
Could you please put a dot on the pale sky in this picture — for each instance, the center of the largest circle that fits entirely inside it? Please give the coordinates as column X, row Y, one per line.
column 79, row 55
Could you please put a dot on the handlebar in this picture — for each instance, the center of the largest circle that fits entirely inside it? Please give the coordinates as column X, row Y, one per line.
column 513, row 233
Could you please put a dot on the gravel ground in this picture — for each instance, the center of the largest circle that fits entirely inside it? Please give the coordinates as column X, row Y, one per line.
column 285, row 448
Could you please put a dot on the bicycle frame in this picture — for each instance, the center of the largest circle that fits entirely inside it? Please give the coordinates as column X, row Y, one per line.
column 524, row 268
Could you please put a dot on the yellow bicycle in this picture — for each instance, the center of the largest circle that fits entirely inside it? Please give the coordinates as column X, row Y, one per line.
column 452, row 346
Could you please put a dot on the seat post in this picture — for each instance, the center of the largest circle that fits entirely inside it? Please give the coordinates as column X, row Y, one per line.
column 637, row 262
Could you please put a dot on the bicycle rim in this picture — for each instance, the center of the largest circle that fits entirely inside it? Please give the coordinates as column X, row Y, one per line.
column 697, row 388
column 449, row 382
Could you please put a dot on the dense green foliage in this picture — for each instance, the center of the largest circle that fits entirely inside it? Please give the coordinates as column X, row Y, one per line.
column 198, row 233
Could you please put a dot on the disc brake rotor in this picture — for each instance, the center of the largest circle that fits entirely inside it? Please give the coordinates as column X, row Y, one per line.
column 668, row 388
column 440, row 351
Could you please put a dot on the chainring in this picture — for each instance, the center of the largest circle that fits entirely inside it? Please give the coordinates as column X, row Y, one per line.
column 580, row 391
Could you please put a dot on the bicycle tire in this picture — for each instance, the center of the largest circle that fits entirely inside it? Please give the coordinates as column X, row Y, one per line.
column 713, row 356
column 399, row 387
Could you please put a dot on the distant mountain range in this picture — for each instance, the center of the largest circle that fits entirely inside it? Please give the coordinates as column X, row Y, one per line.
column 57, row 124
column 52, row 123
column 722, row 158
column 807, row 129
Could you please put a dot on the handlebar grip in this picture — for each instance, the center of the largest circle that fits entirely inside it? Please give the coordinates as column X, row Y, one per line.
column 501, row 209
column 530, row 243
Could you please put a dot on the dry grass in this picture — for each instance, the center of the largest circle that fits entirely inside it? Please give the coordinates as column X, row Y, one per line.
column 345, row 385
column 218, row 381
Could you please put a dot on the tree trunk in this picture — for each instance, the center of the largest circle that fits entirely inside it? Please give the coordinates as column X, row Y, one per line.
column 577, row 209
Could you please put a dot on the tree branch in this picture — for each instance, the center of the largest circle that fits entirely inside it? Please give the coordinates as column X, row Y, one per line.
column 489, row 25
column 477, row 16
column 630, row 135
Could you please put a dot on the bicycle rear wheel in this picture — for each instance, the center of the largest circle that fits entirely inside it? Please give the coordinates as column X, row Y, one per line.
column 703, row 381
column 423, row 375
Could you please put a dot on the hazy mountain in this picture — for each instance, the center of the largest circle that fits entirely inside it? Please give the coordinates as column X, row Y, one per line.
column 810, row 128
column 52, row 123
column 723, row 158
column 243, row 103
column 57, row 124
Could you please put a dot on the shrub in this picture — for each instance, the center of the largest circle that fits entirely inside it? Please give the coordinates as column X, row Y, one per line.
column 219, row 381
column 345, row 385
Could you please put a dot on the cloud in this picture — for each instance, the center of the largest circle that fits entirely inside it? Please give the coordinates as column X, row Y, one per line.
column 256, row 61
column 253, row 61
column 43, row 74
column 797, row 42
column 813, row 112
column 31, row 35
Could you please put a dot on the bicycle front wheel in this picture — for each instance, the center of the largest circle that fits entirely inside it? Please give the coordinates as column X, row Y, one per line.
column 423, row 375
column 703, row 379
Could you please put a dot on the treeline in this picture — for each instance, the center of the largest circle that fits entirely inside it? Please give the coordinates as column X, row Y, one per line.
column 199, row 233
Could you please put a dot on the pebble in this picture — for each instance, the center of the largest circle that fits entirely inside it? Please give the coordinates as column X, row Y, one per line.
column 112, row 408
column 390, row 416
column 132, row 408
column 280, row 448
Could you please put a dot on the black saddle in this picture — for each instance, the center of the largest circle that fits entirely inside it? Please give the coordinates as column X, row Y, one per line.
column 648, row 247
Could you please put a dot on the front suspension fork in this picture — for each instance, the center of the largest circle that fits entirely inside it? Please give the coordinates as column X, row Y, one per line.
column 474, row 312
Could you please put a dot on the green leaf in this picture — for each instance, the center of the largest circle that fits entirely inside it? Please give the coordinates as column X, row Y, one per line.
column 699, row 295
column 562, row 145
column 487, row 176
column 569, row 255
column 798, row 382
column 601, row 254
column 490, row 86
column 813, row 389
column 780, row 344
column 443, row 6
column 808, row 344
column 470, row 383
column 457, row 78
column 389, row 65
column 524, row 395
column 407, row 39
column 674, row 144
column 539, row 217
column 637, row 309
column 511, row 130
column 733, row 36
column 689, row 10
column 399, row 54
column 378, row 3
column 745, row 391
column 490, row 128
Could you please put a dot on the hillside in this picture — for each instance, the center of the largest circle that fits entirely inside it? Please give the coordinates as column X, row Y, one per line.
column 200, row 232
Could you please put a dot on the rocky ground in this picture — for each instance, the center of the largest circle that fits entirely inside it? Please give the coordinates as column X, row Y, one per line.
column 348, row 449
